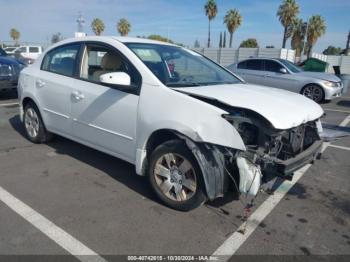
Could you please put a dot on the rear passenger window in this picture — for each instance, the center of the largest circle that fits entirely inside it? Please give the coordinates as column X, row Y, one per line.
column 61, row 60
column 255, row 64
column 242, row 65
column 33, row 49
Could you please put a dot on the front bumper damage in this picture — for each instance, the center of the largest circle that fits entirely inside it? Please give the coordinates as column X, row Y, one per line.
column 289, row 166
column 277, row 153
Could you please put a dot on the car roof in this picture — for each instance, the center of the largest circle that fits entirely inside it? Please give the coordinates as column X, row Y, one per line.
column 122, row 39
column 261, row 58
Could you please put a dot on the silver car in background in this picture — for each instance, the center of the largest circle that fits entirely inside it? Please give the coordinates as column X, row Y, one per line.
column 280, row 73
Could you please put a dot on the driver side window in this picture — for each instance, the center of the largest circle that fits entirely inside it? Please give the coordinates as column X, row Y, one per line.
column 98, row 60
column 185, row 68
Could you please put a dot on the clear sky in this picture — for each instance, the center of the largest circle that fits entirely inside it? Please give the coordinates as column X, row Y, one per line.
column 183, row 21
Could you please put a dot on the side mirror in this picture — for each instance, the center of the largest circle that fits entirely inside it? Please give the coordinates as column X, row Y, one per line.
column 283, row 71
column 116, row 78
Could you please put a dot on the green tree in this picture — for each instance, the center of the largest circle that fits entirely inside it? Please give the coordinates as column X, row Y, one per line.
column 160, row 38
column 97, row 26
column 233, row 20
column 332, row 50
column 123, row 27
column 298, row 36
column 56, row 38
column 211, row 11
column 316, row 28
column 286, row 13
column 15, row 35
column 249, row 43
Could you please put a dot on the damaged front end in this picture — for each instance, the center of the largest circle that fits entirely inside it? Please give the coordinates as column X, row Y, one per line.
column 271, row 152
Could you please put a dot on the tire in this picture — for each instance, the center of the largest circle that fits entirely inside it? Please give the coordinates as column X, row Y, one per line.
column 182, row 181
column 314, row 92
column 34, row 126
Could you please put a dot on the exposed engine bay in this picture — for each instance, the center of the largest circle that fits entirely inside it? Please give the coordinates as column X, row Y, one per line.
column 270, row 152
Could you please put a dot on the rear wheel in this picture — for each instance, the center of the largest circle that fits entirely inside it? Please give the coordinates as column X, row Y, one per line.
column 175, row 176
column 314, row 92
column 34, row 126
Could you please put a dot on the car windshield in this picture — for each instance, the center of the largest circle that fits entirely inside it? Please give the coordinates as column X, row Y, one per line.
column 179, row 67
column 10, row 49
column 2, row 52
column 292, row 67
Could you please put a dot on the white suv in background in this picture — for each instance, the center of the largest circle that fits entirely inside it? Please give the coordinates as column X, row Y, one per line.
column 190, row 125
column 29, row 53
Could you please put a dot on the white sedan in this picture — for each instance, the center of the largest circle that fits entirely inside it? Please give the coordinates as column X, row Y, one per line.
column 194, row 128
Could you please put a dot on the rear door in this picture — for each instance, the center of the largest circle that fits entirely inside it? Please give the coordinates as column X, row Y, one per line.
column 273, row 76
column 251, row 70
column 53, row 84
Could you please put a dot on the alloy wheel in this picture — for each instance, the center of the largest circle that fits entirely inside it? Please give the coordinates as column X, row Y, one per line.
column 175, row 177
column 31, row 122
column 313, row 92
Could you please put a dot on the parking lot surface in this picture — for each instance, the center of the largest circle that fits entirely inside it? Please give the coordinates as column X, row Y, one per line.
column 99, row 204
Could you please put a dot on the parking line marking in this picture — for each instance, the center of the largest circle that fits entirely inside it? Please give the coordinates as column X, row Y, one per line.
column 336, row 110
column 340, row 147
column 236, row 240
column 345, row 122
column 9, row 104
column 58, row 235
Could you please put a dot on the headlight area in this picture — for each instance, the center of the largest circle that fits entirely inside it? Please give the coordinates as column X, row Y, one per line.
column 6, row 71
column 332, row 84
column 270, row 152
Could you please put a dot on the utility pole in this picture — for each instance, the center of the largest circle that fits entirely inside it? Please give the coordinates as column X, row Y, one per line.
column 347, row 45
column 80, row 23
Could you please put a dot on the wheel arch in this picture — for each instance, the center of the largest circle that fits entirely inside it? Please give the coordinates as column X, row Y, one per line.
column 208, row 156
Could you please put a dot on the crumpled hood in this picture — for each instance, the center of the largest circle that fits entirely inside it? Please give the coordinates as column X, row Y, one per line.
column 322, row 76
column 281, row 108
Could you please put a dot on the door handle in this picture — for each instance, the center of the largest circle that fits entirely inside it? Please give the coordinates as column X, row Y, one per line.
column 39, row 83
column 78, row 95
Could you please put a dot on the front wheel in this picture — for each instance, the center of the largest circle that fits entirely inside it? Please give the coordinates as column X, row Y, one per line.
column 313, row 92
column 175, row 176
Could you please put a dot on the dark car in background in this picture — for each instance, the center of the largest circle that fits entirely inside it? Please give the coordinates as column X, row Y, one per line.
column 9, row 71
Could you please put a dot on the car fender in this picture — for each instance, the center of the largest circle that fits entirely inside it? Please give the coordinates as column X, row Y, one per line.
column 195, row 119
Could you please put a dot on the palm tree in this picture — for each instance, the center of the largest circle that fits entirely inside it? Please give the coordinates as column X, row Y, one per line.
column 211, row 11
column 316, row 28
column 123, row 27
column 233, row 20
column 97, row 26
column 15, row 34
column 287, row 12
column 298, row 36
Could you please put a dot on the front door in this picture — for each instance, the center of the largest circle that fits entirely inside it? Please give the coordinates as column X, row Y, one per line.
column 274, row 77
column 105, row 116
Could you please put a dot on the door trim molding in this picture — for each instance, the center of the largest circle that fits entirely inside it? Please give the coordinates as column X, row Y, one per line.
column 103, row 129
column 55, row 113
